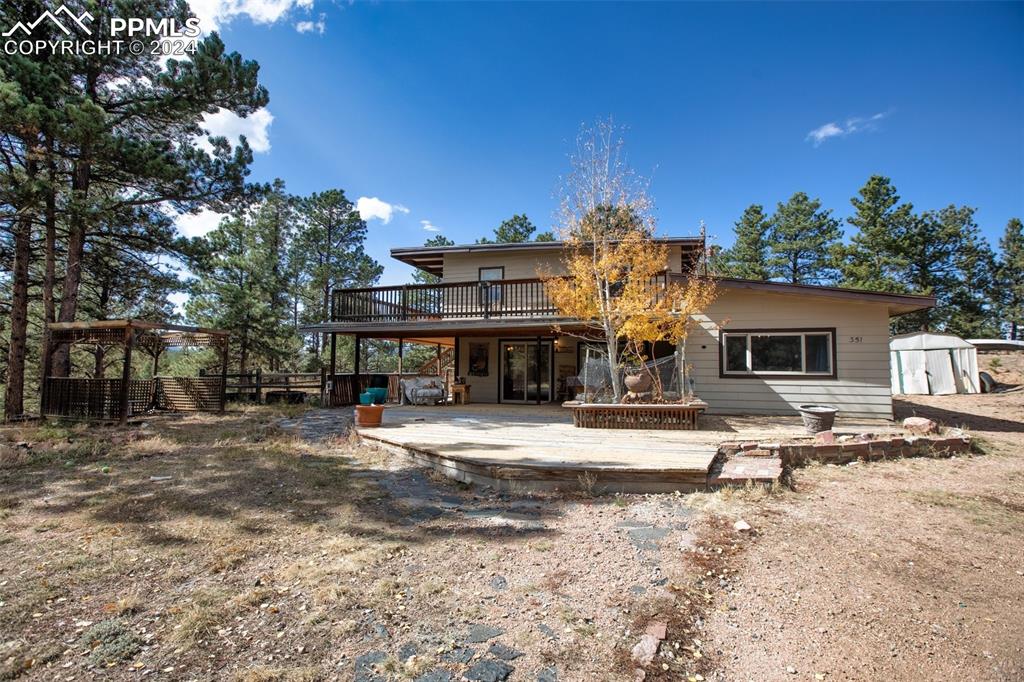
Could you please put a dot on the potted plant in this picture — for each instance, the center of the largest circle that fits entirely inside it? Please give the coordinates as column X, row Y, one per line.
column 369, row 415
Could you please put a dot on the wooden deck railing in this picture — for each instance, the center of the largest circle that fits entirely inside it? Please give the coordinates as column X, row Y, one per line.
column 411, row 302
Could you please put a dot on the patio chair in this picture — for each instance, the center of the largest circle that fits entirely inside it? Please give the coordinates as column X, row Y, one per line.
column 423, row 390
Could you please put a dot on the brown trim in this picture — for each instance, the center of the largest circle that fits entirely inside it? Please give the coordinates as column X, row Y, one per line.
column 802, row 376
column 911, row 302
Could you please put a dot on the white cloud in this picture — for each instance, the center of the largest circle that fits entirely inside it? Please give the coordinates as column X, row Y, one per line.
column 320, row 25
column 198, row 224
column 372, row 208
column 255, row 127
column 854, row 124
column 213, row 13
column 429, row 227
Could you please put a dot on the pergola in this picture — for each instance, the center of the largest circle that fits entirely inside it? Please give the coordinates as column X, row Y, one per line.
column 110, row 399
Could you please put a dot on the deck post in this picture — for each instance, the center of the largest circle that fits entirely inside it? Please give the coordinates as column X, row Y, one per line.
column 259, row 384
column 334, row 354
column 355, row 364
column 224, row 373
column 536, row 371
column 126, row 370
column 400, row 357
column 44, row 393
column 455, row 358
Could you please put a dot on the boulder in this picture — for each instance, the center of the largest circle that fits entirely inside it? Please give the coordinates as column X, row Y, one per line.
column 645, row 650
column 920, row 425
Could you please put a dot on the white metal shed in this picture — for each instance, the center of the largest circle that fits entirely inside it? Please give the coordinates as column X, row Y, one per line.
column 939, row 364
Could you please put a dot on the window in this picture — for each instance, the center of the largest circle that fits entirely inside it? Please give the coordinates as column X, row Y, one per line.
column 491, row 274
column 490, row 294
column 758, row 352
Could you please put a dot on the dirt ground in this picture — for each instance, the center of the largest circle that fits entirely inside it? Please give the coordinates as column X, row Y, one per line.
column 902, row 570
column 267, row 546
column 1006, row 367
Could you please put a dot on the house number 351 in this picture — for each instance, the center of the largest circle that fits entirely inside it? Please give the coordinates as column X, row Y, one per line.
column 856, row 339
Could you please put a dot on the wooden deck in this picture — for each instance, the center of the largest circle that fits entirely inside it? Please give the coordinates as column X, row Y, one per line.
column 538, row 448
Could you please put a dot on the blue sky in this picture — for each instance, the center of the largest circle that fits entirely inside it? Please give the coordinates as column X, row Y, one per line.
column 463, row 114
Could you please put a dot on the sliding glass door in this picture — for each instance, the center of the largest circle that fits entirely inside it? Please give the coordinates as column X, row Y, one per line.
column 519, row 370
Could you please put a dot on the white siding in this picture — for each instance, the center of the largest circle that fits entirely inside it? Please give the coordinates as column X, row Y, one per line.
column 464, row 267
column 862, row 388
column 483, row 389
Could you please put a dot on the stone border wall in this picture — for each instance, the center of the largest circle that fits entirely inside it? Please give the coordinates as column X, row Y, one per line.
column 871, row 448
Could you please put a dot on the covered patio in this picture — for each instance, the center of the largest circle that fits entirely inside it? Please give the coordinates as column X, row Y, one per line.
column 536, row 447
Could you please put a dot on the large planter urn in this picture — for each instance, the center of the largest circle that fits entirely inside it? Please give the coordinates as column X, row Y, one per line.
column 369, row 415
column 817, row 418
column 638, row 383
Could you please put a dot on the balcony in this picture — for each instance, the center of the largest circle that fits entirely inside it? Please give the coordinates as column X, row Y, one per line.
column 458, row 300
column 497, row 299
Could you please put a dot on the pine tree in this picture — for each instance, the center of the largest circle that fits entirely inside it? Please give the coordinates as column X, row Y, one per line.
column 516, row 230
column 874, row 258
column 238, row 287
column 327, row 254
column 974, row 312
column 947, row 258
column 748, row 257
column 1010, row 277
column 91, row 135
column 803, row 242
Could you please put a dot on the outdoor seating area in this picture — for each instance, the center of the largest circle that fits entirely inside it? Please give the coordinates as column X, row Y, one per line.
column 537, row 448
column 98, row 398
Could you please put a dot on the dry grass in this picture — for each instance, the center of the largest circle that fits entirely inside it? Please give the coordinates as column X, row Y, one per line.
column 993, row 512
column 189, row 527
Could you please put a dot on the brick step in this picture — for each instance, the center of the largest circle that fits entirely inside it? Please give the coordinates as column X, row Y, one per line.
column 741, row 470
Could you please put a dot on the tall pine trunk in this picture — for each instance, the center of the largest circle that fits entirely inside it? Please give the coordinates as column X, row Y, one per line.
column 76, row 251
column 49, row 273
column 14, row 405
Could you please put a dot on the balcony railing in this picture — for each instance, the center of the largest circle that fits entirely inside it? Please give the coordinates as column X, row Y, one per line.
column 411, row 302
column 506, row 298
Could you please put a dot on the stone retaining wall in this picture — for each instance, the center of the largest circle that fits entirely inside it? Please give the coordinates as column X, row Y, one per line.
column 859, row 447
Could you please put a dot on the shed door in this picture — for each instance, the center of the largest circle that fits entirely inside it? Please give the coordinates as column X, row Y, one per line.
column 911, row 365
column 941, row 379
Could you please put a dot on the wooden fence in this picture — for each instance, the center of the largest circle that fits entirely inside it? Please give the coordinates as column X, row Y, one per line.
column 100, row 399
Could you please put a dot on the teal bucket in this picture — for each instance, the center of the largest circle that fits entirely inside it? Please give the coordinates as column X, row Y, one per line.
column 373, row 396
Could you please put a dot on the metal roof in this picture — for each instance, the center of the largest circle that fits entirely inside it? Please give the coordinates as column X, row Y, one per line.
column 431, row 258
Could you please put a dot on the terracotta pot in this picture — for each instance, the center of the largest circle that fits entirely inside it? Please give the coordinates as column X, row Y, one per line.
column 369, row 415
column 638, row 383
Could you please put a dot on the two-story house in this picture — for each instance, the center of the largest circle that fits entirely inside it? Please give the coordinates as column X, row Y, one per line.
column 761, row 348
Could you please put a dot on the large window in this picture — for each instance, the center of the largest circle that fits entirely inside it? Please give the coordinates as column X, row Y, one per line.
column 762, row 352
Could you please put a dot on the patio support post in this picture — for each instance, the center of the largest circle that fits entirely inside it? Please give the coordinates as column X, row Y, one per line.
column 455, row 357
column 537, row 370
column 400, row 358
column 355, row 363
column 224, row 373
column 126, row 370
column 438, row 359
column 44, row 402
column 334, row 354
